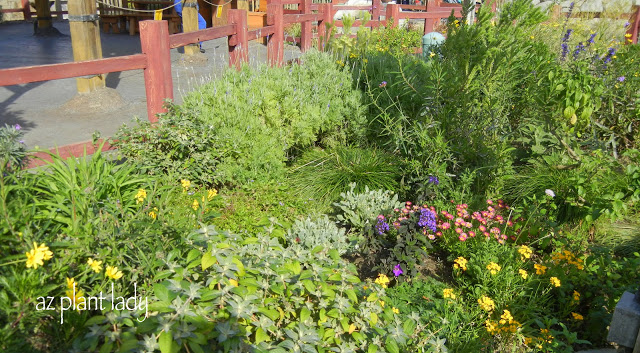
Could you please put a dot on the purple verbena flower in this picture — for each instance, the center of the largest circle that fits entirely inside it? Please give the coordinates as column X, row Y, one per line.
column 621, row 78
column 382, row 226
column 579, row 48
column 383, row 84
column 427, row 219
column 18, row 127
column 567, row 36
column 592, row 39
column 397, row 270
column 434, row 180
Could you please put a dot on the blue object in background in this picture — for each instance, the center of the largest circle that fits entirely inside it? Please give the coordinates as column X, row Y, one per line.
column 202, row 24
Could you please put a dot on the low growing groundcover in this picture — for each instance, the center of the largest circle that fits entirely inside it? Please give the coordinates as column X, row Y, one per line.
column 483, row 197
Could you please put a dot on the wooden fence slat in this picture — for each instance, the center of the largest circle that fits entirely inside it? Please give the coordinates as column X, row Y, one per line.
column 275, row 44
column 323, row 25
column 238, row 43
column 28, row 74
column 393, row 10
column 158, row 82
column 260, row 33
column 305, row 26
column 376, row 12
column 301, row 18
column 182, row 39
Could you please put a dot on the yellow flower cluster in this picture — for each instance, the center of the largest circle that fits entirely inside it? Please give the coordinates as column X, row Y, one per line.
column 154, row 213
column 569, row 258
column 460, row 263
column 382, row 280
column 493, row 268
column 96, row 266
column 211, row 193
column 540, row 269
column 78, row 296
column 395, row 311
column 38, row 255
column 113, row 273
column 506, row 324
column 555, row 281
column 576, row 296
column 577, row 316
column 448, row 293
column 141, row 195
column 186, row 184
column 525, row 252
column 486, row 303
column 195, row 205
column 523, row 273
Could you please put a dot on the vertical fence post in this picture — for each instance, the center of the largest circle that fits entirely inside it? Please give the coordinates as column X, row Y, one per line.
column 393, row 11
column 376, row 10
column 275, row 44
column 323, row 25
column 238, row 43
column 26, row 9
column 158, row 82
column 428, row 25
column 305, row 33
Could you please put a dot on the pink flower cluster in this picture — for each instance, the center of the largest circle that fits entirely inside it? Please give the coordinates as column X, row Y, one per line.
column 489, row 222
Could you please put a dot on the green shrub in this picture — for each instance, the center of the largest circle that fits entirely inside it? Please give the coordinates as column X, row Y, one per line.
column 320, row 231
column 324, row 174
column 358, row 210
column 235, row 293
column 248, row 124
column 73, row 192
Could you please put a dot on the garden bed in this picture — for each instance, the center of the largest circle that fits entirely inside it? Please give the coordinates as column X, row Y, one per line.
column 482, row 197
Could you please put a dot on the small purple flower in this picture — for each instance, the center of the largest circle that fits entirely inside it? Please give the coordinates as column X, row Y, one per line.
column 383, row 84
column 434, row 180
column 281, row 203
column 21, row 141
column 579, row 48
column 627, row 24
column 592, row 39
column 567, row 36
column 397, row 270
column 427, row 219
column 382, row 226
column 621, row 78
column 18, row 127
column 565, row 50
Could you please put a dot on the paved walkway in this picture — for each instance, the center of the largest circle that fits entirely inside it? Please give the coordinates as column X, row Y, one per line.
column 37, row 107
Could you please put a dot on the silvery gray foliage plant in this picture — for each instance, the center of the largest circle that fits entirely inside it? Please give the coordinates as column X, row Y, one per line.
column 320, row 231
column 360, row 210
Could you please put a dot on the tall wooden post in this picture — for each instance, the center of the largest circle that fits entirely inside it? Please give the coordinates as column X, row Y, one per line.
column 393, row 11
column 376, row 10
column 275, row 45
column 26, row 9
column 190, row 23
column 85, row 40
column 633, row 29
column 305, row 27
column 44, row 14
column 238, row 43
column 158, row 82
column 324, row 23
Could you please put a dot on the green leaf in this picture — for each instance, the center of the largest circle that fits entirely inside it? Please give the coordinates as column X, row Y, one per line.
column 304, row 314
column 192, row 255
column 271, row 313
column 207, row 260
column 167, row 345
column 374, row 318
column 372, row 349
column 391, row 345
column 352, row 295
column 261, row 336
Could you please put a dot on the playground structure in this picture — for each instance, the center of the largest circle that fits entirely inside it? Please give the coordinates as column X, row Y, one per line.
column 156, row 42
